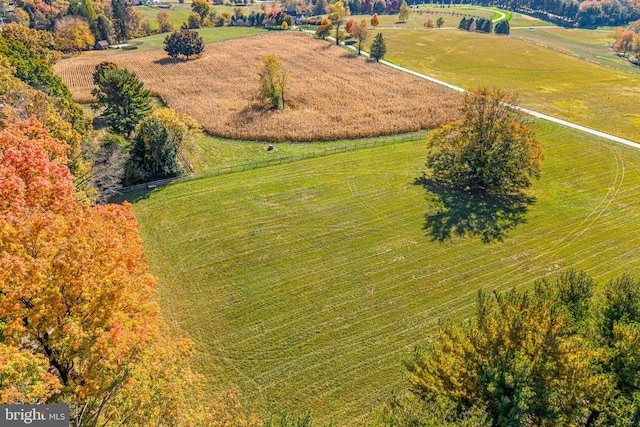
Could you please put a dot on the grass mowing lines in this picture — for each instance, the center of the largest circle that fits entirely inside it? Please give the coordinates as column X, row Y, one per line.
column 587, row 44
column 211, row 153
column 519, row 20
column 546, row 81
column 306, row 283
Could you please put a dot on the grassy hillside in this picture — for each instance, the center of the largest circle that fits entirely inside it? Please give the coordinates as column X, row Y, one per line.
column 547, row 81
column 592, row 45
column 210, row 154
column 307, row 283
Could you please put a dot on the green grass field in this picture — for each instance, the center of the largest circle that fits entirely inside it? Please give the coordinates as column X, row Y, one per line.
column 547, row 81
column 211, row 153
column 592, row 45
column 179, row 12
column 156, row 42
column 519, row 20
column 420, row 15
column 306, row 284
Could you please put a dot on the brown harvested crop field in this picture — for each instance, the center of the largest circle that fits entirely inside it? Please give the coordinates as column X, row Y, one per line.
column 333, row 93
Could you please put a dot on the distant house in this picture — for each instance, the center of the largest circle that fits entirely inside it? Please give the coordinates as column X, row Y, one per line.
column 297, row 17
column 101, row 45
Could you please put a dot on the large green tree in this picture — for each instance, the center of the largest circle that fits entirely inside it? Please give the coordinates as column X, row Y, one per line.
column 557, row 355
column 120, row 18
column 492, row 150
column 153, row 155
column 122, row 95
column 184, row 42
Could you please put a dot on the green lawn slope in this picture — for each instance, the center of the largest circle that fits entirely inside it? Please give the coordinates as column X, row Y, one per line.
column 547, row 81
column 306, row 284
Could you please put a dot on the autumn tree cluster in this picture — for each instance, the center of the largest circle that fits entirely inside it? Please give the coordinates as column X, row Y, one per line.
column 203, row 15
column 358, row 31
column 79, row 324
column 493, row 150
column 30, row 88
column 78, row 24
column 625, row 42
column 559, row 354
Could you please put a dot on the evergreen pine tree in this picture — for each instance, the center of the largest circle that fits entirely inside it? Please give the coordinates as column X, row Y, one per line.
column 502, row 27
column 104, row 30
column 122, row 95
column 378, row 47
column 153, row 155
column 120, row 19
column 471, row 25
column 319, row 8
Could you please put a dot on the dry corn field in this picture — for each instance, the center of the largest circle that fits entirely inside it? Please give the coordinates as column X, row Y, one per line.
column 333, row 94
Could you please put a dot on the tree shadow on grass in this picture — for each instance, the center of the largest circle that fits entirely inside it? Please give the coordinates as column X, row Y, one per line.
column 168, row 60
column 459, row 213
column 349, row 55
column 131, row 196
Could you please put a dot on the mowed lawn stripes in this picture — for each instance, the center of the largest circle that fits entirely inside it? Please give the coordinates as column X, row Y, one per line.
column 547, row 81
column 307, row 283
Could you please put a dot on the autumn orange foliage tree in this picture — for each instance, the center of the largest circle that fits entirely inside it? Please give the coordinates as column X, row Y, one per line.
column 624, row 40
column 375, row 21
column 78, row 321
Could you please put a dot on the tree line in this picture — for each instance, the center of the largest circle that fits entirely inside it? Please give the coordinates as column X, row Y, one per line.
column 483, row 25
column 584, row 14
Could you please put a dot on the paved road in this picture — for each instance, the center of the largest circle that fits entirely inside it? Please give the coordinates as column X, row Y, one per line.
column 531, row 112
